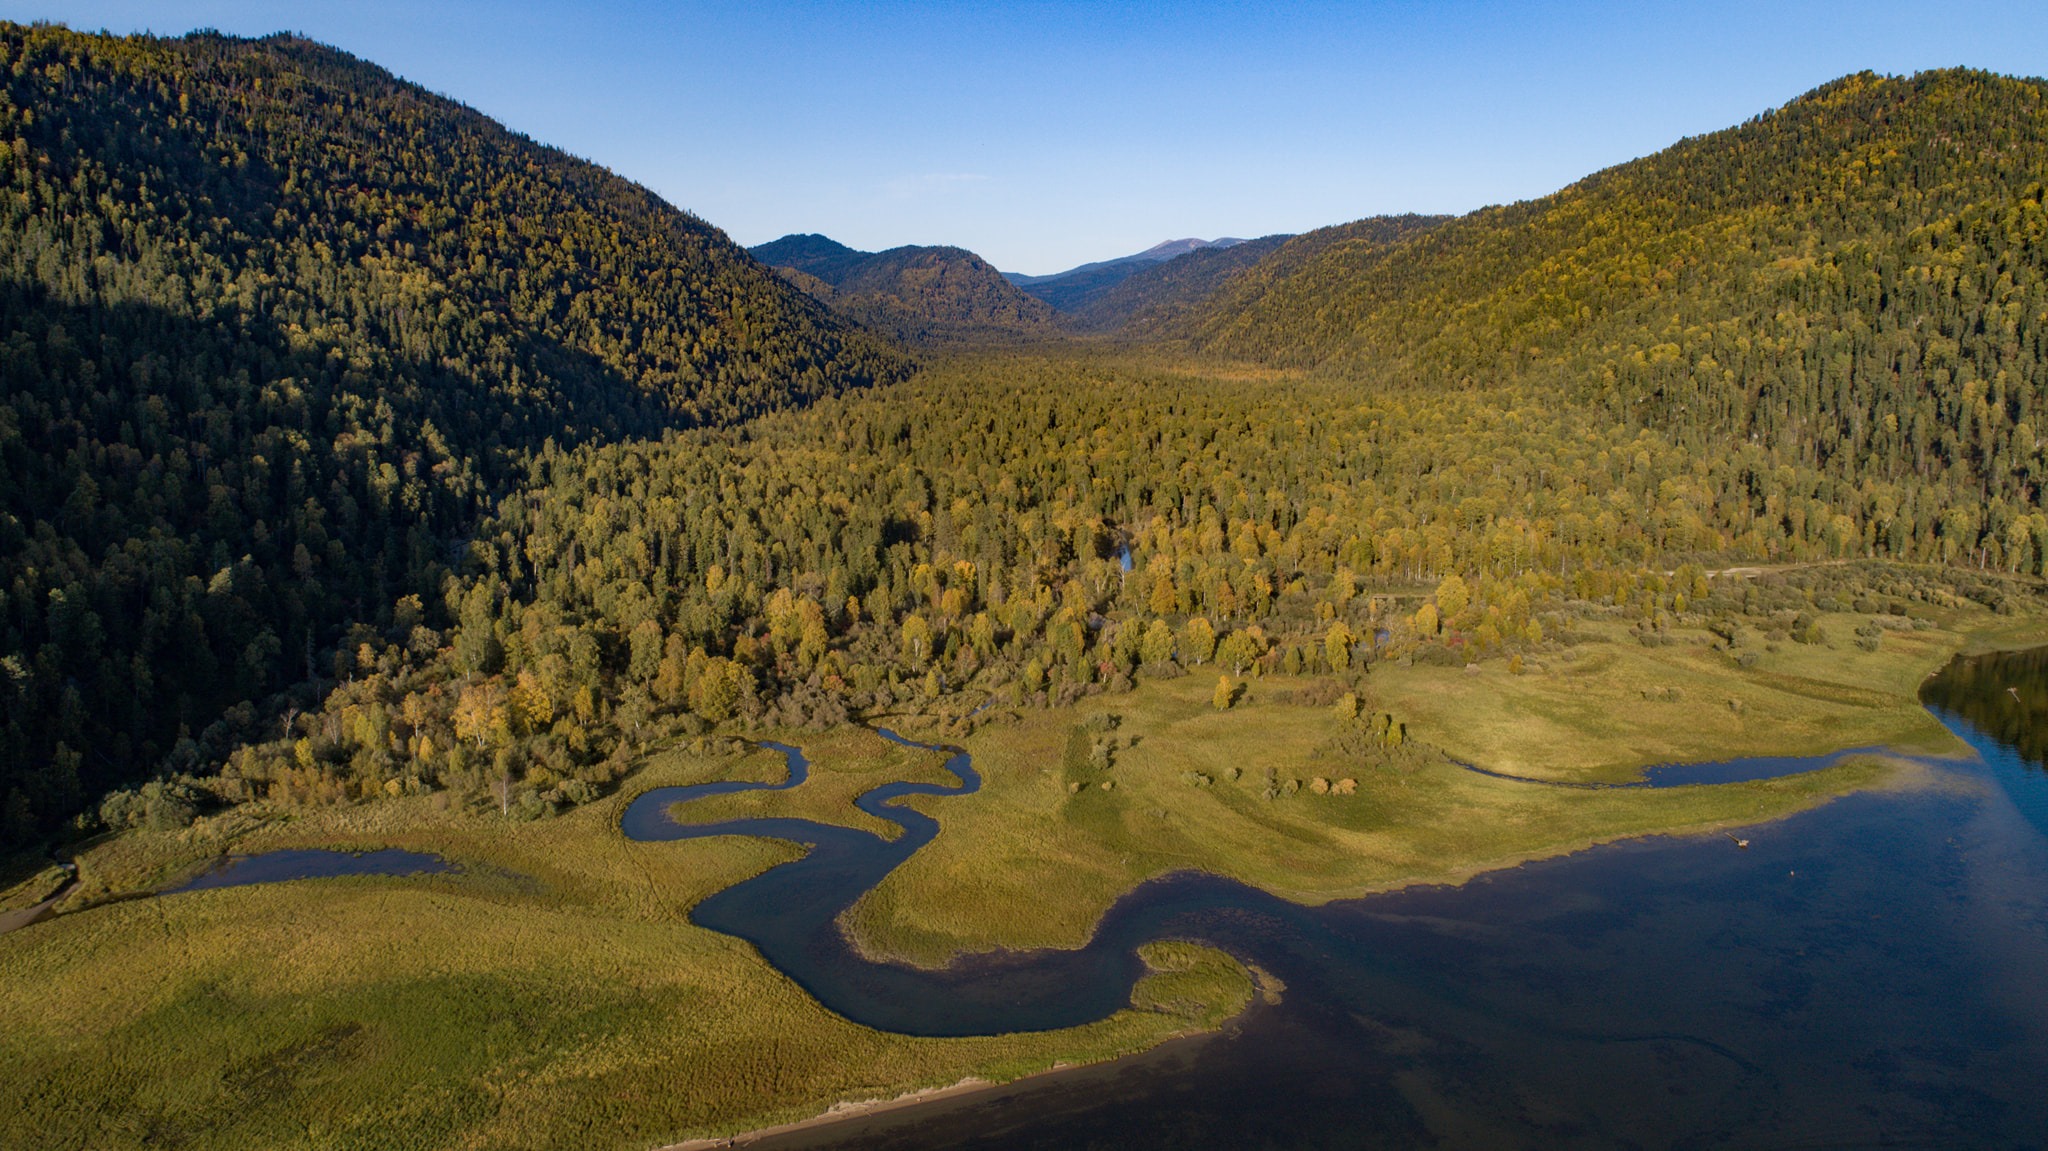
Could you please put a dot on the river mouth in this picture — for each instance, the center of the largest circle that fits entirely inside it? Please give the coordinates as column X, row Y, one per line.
column 1837, row 984
column 791, row 913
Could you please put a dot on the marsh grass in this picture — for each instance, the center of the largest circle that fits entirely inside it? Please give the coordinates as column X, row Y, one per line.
column 33, row 887
column 844, row 763
column 549, row 994
column 1619, row 707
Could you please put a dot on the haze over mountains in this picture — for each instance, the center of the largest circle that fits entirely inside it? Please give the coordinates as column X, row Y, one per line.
column 297, row 355
column 1076, row 288
column 950, row 296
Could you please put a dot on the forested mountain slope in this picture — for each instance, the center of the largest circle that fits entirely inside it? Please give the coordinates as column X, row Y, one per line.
column 1323, row 261
column 1856, row 278
column 925, row 295
column 274, row 326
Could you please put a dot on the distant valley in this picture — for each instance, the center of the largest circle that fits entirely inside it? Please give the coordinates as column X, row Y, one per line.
column 1074, row 289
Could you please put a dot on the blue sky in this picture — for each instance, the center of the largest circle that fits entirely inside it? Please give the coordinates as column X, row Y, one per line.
column 1044, row 135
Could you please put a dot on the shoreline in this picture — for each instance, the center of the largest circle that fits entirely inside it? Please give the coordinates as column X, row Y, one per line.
column 1901, row 771
column 850, row 1110
column 36, row 913
column 1904, row 772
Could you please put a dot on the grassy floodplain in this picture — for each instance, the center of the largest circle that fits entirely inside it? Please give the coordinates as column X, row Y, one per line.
column 553, row 993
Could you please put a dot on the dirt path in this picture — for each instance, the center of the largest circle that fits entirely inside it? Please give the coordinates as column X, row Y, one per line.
column 15, row 920
column 1752, row 571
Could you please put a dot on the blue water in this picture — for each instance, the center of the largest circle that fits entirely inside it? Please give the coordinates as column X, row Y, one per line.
column 1998, row 704
column 647, row 817
column 1867, row 973
column 2022, row 781
column 790, row 913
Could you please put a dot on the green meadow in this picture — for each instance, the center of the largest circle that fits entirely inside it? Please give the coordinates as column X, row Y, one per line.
column 550, row 995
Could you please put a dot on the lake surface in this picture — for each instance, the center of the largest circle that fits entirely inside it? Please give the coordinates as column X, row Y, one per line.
column 1874, row 972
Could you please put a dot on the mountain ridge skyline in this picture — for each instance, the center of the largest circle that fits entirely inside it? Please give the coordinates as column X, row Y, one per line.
column 1138, row 124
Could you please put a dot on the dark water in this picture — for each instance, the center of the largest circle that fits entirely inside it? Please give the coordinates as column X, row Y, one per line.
column 276, row 866
column 1872, row 973
column 790, row 913
column 1998, row 703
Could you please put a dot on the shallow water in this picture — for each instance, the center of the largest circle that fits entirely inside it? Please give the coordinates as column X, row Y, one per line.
column 1868, row 973
column 278, row 866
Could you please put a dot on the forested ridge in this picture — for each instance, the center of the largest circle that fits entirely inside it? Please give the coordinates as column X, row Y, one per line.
column 920, row 294
column 277, row 327
column 1077, row 290
column 1855, row 279
column 964, row 535
column 1154, row 297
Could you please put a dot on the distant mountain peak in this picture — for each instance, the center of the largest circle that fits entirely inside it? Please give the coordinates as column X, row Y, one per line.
column 1168, row 249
